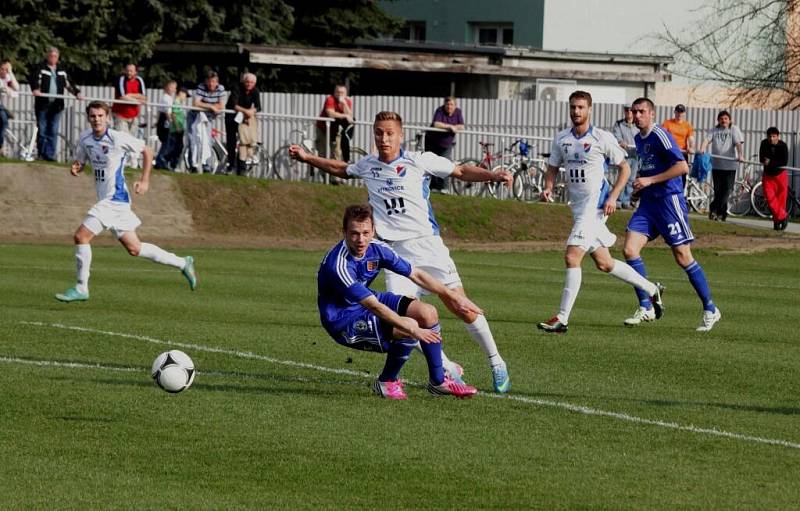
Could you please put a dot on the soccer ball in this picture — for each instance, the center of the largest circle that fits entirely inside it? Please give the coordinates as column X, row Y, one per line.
column 173, row 371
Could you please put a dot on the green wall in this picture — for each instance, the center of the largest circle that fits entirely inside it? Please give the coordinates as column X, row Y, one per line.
column 448, row 20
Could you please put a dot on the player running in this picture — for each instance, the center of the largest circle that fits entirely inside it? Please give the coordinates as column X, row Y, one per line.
column 662, row 211
column 585, row 151
column 398, row 183
column 107, row 151
column 362, row 319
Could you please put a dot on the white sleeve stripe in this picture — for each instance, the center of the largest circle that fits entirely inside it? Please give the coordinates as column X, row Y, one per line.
column 676, row 203
column 341, row 267
column 663, row 136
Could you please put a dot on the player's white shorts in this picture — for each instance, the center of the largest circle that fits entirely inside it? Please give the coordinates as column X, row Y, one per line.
column 115, row 216
column 427, row 253
column 590, row 232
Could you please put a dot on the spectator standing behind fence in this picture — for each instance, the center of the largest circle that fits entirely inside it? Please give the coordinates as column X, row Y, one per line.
column 245, row 100
column 128, row 87
column 208, row 98
column 447, row 117
column 50, row 78
column 681, row 130
column 9, row 88
column 165, row 111
column 774, row 155
column 725, row 140
column 170, row 152
column 624, row 130
column 338, row 107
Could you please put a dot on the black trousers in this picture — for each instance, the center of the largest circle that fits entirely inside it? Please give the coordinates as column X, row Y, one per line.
column 723, row 185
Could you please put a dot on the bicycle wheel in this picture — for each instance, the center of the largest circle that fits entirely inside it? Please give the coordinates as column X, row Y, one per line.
column 739, row 199
column 698, row 195
column 525, row 187
column 284, row 167
column 356, row 153
column 459, row 187
column 759, row 202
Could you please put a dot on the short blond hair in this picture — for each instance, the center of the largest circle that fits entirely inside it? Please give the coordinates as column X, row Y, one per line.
column 389, row 116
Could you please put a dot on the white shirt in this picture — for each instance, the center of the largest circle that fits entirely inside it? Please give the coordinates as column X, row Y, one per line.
column 586, row 160
column 166, row 103
column 107, row 155
column 399, row 192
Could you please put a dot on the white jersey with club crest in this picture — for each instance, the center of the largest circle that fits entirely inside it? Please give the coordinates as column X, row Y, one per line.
column 399, row 192
column 108, row 155
column 585, row 160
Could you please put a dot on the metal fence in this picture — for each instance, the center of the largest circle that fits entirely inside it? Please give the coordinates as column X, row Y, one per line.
column 486, row 119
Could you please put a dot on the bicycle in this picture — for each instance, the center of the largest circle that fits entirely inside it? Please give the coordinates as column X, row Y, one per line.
column 21, row 135
column 285, row 168
column 759, row 202
column 739, row 200
column 216, row 162
column 259, row 164
column 488, row 161
column 699, row 194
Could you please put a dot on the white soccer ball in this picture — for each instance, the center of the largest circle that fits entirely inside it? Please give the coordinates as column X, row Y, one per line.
column 173, row 371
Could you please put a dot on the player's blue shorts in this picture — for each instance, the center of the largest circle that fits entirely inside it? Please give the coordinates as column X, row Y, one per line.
column 666, row 216
column 360, row 329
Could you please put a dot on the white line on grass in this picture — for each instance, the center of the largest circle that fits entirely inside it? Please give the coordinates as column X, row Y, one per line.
column 585, row 410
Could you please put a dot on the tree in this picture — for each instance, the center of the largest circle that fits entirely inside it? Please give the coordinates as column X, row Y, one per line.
column 752, row 46
column 97, row 37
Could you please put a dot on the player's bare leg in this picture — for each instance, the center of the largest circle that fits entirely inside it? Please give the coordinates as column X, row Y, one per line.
column 478, row 329
column 136, row 248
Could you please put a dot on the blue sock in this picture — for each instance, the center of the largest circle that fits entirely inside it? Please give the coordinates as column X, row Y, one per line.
column 433, row 355
column 638, row 265
column 698, row 279
column 399, row 351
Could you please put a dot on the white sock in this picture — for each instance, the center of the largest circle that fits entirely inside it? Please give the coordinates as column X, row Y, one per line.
column 161, row 256
column 624, row 272
column 572, row 285
column 480, row 332
column 83, row 260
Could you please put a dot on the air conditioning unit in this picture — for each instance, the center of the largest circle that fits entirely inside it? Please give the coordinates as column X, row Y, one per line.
column 555, row 90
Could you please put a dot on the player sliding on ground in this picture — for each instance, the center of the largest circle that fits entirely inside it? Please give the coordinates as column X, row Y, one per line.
column 107, row 151
column 584, row 151
column 398, row 183
column 362, row 319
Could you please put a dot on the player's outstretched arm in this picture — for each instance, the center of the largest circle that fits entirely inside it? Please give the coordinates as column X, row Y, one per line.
column 407, row 327
column 458, row 300
column 475, row 174
column 333, row 167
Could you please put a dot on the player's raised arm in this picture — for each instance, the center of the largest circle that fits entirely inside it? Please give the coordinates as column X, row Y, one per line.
column 408, row 327
column 428, row 282
column 475, row 174
column 335, row 168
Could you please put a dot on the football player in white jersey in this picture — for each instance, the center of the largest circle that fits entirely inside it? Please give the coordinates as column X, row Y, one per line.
column 398, row 183
column 107, row 151
column 585, row 151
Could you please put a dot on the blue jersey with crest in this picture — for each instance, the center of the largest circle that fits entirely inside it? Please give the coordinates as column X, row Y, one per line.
column 658, row 152
column 343, row 280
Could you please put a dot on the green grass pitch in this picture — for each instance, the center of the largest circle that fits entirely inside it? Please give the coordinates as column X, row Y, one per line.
column 279, row 416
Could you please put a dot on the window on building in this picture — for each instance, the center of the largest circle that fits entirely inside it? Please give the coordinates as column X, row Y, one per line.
column 412, row 31
column 493, row 34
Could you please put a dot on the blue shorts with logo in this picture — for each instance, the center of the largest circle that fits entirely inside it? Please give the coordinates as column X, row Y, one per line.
column 666, row 216
column 362, row 330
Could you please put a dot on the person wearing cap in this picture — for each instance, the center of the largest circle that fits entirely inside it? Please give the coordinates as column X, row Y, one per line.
column 624, row 130
column 682, row 131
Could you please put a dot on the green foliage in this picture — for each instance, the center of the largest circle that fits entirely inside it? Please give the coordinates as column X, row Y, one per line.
column 97, row 37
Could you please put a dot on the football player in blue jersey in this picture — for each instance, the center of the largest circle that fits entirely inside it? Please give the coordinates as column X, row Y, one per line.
column 662, row 212
column 360, row 318
column 398, row 186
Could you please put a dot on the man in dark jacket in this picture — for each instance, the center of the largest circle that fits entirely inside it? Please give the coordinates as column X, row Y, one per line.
column 50, row 78
column 245, row 101
column 774, row 155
